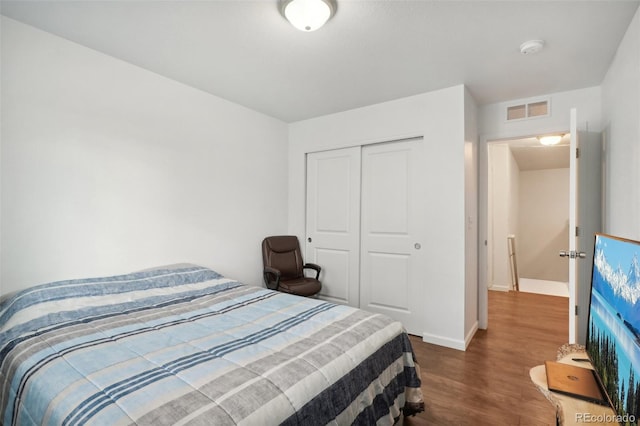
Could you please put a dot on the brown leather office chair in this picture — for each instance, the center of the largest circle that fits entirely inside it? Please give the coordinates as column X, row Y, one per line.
column 284, row 269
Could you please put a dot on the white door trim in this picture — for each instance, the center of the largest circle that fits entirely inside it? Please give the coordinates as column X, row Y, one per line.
column 483, row 219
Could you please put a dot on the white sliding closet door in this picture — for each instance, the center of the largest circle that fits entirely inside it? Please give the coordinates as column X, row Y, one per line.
column 365, row 227
column 333, row 222
column 393, row 231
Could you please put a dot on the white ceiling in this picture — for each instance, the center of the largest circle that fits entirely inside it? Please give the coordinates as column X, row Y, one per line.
column 529, row 154
column 371, row 51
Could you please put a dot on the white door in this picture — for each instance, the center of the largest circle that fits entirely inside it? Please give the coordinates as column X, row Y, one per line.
column 393, row 231
column 333, row 222
column 572, row 254
column 585, row 219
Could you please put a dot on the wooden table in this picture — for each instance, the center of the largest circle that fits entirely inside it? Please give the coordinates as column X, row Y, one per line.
column 569, row 410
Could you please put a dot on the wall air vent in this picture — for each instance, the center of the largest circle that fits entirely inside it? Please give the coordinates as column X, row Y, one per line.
column 517, row 112
column 539, row 108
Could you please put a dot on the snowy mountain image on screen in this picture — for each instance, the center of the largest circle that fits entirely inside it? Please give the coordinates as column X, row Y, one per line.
column 619, row 284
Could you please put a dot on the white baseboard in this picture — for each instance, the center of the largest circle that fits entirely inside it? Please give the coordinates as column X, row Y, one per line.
column 470, row 335
column 500, row 288
column 447, row 342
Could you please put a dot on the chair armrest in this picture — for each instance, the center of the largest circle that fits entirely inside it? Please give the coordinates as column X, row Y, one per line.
column 268, row 270
column 313, row 266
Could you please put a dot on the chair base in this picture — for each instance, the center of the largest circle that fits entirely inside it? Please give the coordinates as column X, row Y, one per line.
column 301, row 287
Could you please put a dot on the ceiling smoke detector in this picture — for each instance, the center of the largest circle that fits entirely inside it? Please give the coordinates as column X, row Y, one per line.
column 532, row 46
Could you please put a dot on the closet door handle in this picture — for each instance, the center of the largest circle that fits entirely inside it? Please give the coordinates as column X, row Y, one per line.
column 309, row 239
column 417, row 246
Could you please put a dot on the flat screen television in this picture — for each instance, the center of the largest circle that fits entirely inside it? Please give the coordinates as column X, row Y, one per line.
column 613, row 332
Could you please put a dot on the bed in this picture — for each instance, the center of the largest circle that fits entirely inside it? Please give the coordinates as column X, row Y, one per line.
column 184, row 345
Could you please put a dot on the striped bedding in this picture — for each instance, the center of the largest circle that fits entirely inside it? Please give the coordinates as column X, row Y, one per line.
column 184, row 345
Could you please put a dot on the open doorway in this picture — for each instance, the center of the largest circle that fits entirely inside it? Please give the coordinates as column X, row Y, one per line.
column 528, row 203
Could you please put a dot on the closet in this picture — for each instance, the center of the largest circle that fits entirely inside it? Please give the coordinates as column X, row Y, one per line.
column 365, row 225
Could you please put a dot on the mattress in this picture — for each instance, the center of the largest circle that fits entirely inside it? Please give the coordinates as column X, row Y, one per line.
column 185, row 345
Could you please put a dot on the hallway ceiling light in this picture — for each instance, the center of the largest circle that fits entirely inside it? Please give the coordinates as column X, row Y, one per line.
column 307, row 15
column 550, row 139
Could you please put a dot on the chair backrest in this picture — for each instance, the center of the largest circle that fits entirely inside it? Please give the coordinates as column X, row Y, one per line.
column 283, row 252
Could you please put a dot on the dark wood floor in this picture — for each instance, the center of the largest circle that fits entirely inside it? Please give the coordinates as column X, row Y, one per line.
column 489, row 384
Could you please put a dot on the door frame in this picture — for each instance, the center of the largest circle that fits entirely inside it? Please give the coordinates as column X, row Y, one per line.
column 483, row 208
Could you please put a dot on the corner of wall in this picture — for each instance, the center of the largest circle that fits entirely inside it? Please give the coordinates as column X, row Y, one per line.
column 472, row 332
column 448, row 342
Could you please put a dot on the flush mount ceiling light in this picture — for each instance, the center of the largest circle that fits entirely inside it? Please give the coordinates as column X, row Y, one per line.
column 307, row 15
column 550, row 139
column 531, row 47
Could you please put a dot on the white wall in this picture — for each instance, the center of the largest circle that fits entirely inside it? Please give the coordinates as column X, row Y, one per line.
column 494, row 126
column 543, row 229
column 503, row 215
column 621, row 116
column 108, row 168
column 471, row 216
column 439, row 117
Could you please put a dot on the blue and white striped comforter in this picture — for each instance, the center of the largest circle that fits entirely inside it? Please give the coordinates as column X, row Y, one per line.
column 184, row 345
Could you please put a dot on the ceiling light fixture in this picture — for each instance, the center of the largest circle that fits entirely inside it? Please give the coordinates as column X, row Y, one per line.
column 550, row 139
column 307, row 15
